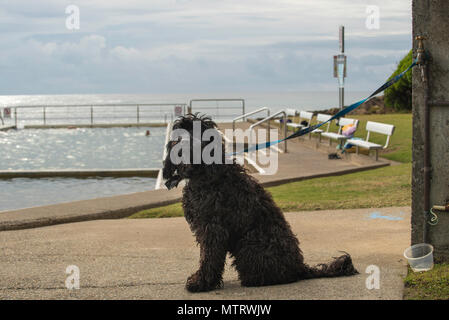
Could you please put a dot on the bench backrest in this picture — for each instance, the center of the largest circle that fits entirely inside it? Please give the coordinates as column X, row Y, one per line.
column 345, row 121
column 322, row 117
column 306, row 115
column 291, row 112
column 382, row 128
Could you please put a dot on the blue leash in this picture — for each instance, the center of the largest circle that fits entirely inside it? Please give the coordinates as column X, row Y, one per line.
column 339, row 114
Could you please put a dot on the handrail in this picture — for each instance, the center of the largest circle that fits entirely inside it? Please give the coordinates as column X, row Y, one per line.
column 249, row 114
column 164, row 155
column 268, row 119
column 40, row 112
column 83, row 105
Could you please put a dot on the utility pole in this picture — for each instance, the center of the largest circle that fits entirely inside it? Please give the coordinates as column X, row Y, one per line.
column 340, row 68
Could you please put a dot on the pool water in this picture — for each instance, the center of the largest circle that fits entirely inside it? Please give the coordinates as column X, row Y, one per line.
column 96, row 148
column 82, row 148
column 24, row 193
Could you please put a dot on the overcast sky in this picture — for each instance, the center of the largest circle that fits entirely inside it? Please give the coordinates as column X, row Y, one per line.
column 196, row 46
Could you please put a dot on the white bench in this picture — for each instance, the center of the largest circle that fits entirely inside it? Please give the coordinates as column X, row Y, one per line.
column 338, row 136
column 377, row 127
column 303, row 115
column 289, row 113
column 320, row 118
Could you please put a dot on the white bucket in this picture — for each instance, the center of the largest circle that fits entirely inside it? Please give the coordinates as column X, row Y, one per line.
column 420, row 257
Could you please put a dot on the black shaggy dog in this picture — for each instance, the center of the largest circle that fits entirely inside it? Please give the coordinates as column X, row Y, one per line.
column 229, row 211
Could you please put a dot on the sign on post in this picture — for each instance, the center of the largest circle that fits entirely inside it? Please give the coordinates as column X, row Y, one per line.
column 340, row 68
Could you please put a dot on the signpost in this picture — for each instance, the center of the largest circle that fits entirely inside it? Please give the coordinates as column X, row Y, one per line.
column 340, row 68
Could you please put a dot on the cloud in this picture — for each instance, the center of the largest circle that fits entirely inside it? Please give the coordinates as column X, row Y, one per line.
column 186, row 46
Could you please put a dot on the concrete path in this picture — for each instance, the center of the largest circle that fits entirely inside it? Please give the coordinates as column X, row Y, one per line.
column 151, row 258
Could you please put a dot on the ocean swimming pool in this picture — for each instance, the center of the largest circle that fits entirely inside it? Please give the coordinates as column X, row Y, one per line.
column 81, row 148
column 22, row 193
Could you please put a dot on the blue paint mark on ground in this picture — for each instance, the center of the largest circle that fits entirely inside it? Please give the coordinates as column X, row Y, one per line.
column 378, row 215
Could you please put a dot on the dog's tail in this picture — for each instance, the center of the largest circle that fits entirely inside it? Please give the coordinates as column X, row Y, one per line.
column 340, row 266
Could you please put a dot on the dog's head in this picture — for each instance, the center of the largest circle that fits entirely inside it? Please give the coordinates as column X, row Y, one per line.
column 191, row 135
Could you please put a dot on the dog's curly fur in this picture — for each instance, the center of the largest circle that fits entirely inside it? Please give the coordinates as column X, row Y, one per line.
column 229, row 211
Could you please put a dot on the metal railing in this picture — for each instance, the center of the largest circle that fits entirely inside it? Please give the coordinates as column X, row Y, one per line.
column 216, row 108
column 249, row 114
column 267, row 119
column 96, row 113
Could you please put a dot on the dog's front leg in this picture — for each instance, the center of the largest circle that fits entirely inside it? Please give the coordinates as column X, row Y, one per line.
column 213, row 240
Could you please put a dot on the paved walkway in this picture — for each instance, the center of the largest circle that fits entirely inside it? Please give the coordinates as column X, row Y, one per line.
column 151, row 258
column 303, row 161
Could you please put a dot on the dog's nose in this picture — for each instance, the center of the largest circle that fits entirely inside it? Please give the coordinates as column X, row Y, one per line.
column 173, row 182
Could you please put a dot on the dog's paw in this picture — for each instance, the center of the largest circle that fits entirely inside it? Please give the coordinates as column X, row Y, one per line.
column 195, row 284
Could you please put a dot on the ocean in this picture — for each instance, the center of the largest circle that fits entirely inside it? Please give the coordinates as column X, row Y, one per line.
column 302, row 100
